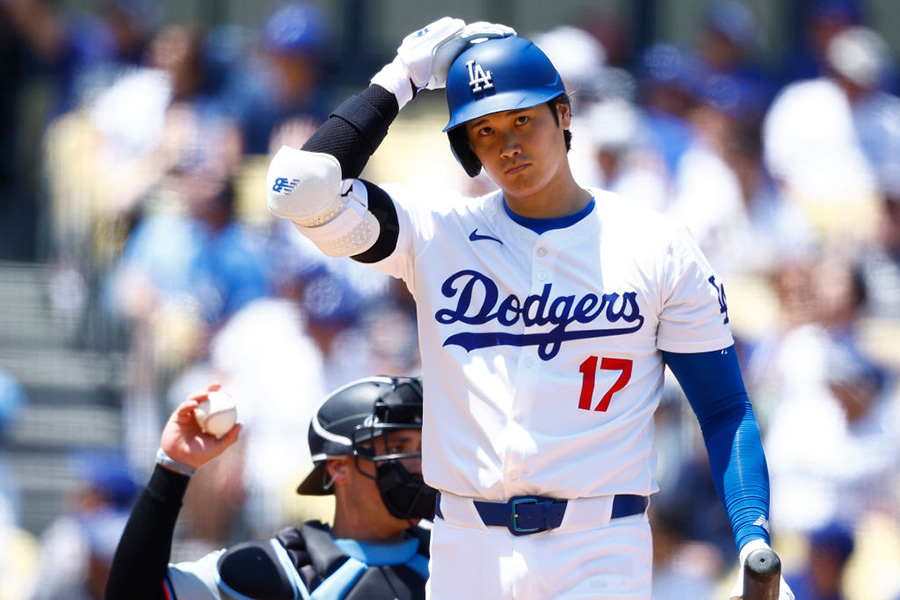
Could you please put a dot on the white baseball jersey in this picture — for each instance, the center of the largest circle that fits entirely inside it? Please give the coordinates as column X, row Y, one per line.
column 541, row 353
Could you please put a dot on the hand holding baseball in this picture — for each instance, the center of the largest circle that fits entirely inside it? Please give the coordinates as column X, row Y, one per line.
column 188, row 441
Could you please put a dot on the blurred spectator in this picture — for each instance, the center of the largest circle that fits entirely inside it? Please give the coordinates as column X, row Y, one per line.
column 842, row 295
column 822, row 574
column 101, row 531
column 879, row 261
column 820, row 22
column 625, row 165
column 195, row 257
column 832, row 139
column 775, row 230
column 667, row 77
column 707, row 194
column 580, row 59
column 609, row 24
column 76, row 549
column 334, row 298
column 155, row 121
column 18, row 548
column 18, row 563
column 281, row 86
column 265, row 357
column 835, row 457
column 682, row 568
column 183, row 272
column 785, row 358
column 687, row 506
column 85, row 51
column 729, row 45
column 126, row 154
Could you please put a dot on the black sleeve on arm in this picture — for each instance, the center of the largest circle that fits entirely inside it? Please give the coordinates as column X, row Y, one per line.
column 140, row 563
column 355, row 129
column 381, row 205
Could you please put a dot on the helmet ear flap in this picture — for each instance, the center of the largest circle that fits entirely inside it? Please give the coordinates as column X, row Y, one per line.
column 459, row 144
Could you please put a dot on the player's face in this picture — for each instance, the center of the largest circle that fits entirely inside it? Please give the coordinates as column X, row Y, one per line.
column 522, row 150
column 403, row 442
column 360, row 481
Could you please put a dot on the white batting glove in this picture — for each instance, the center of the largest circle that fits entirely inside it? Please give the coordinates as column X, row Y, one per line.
column 412, row 65
column 425, row 56
column 737, row 592
column 446, row 52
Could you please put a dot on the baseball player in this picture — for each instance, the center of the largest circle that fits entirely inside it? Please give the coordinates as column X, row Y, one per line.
column 547, row 313
column 365, row 441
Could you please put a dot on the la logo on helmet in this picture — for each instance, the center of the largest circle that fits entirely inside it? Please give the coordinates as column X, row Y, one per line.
column 479, row 79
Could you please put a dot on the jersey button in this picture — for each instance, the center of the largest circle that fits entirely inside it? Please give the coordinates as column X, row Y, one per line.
column 529, row 361
column 542, row 252
column 542, row 275
column 512, row 475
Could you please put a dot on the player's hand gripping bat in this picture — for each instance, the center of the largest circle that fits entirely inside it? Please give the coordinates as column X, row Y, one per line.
column 762, row 575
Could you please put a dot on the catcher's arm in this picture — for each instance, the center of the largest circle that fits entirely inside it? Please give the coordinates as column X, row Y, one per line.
column 139, row 566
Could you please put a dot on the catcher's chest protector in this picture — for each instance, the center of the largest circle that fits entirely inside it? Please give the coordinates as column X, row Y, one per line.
column 254, row 571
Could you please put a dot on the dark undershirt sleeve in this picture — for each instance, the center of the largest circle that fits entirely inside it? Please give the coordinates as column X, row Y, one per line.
column 346, row 141
column 140, row 563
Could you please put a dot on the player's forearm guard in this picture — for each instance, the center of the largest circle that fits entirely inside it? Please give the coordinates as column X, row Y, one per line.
column 306, row 188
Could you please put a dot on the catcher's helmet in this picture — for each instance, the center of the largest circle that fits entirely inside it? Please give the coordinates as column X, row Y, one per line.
column 348, row 420
column 491, row 76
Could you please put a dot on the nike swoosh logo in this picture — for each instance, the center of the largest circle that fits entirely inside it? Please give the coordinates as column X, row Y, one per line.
column 475, row 236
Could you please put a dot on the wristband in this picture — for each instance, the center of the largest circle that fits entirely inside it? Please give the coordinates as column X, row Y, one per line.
column 394, row 77
column 170, row 463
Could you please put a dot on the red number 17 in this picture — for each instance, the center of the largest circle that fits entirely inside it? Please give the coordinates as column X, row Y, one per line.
column 588, row 370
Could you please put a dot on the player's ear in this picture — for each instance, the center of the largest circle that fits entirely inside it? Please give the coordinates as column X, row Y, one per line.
column 564, row 113
column 462, row 150
column 337, row 469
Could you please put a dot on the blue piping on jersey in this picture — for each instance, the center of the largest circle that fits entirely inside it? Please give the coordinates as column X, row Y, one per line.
column 540, row 226
column 339, row 583
column 287, row 566
column 379, row 554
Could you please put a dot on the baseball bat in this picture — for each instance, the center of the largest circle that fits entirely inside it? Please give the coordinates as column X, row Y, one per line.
column 762, row 574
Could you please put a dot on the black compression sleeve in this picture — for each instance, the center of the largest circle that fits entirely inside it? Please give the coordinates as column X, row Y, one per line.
column 353, row 143
column 140, row 563
column 381, row 205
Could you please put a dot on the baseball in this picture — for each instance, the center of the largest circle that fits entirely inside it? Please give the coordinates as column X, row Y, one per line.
column 217, row 414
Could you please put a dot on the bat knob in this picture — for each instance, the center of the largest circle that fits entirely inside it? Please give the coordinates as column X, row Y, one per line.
column 762, row 574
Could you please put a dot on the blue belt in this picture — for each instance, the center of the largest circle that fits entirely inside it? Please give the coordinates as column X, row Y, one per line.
column 524, row 515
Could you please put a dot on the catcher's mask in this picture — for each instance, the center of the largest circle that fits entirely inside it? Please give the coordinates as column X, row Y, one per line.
column 357, row 420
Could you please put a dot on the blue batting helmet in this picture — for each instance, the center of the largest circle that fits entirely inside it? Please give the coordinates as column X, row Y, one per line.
column 495, row 75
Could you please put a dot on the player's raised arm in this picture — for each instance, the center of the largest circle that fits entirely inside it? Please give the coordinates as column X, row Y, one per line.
column 313, row 187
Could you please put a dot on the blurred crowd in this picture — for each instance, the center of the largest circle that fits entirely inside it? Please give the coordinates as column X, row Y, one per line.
column 143, row 192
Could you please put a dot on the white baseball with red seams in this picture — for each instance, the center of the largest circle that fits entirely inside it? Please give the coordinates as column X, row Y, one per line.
column 217, row 414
